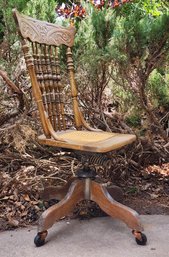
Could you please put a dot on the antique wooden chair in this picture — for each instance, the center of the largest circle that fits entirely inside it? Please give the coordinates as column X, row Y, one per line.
column 40, row 43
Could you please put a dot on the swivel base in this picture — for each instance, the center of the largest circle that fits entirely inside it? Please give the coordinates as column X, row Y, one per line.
column 87, row 188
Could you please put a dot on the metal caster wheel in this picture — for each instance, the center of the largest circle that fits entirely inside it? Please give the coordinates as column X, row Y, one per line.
column 39, row 239
column 140, row 238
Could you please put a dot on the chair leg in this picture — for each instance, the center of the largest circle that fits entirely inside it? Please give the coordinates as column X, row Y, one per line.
column 130, row 217
column 59, row 210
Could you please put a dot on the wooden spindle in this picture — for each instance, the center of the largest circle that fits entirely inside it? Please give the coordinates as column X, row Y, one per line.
column 60, row 92
column 35, row 86
column 74, row 92
column 46, row 82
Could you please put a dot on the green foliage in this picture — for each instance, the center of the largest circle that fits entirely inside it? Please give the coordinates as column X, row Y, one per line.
column 134, row 120
column 153, row 7
column 8, row 32
column 95, row 32
column 149, row 7
column 6, row 23
column 158, row 87
column 122, row 42
column 140, row 39
column 1, row 27
column 92, row 45
column 103, row 24
column 44, row 10
column 40, row 9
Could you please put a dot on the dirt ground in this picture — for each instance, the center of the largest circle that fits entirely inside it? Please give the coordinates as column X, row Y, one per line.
column 152, row 195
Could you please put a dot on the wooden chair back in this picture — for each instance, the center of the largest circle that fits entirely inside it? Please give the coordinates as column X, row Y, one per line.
column 41, row 42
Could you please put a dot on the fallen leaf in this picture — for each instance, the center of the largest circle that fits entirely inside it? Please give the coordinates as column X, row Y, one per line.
column 154, row 196
column 13, row 222
column 26, row 197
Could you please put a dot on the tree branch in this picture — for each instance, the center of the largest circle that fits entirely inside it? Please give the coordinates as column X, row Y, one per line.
column 21, row 98
column 9, row 83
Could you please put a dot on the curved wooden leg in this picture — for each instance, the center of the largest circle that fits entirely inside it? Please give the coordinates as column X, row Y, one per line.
column 64, row 207
column 130, row 217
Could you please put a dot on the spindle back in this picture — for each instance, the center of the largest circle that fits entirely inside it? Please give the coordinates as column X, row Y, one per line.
column 41, row 42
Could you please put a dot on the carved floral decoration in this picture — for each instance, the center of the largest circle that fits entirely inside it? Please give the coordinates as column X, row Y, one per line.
column 44, row 32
